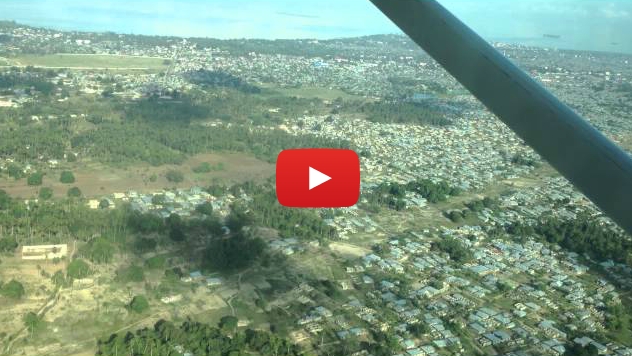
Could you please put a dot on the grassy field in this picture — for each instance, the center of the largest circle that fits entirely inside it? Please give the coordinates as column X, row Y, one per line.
column 90, row 61
column 96, row 180
column 313, row 92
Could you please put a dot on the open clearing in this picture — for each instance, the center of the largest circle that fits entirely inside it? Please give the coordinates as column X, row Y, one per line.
column 90, row 61
column 345, row 249
column 96, row 180
column 313, row 92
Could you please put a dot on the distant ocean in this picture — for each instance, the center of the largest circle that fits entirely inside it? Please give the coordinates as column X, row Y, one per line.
column 321, row 19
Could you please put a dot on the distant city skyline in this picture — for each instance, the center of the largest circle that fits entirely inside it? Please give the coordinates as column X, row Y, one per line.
column 581, row 24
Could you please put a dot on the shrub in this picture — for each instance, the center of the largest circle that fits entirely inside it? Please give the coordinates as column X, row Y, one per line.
column 174, row 176
column 12, row 290
column 139, row 304
column 74, row 192
column 67, row 177
column 45, row 193
column 35, row 178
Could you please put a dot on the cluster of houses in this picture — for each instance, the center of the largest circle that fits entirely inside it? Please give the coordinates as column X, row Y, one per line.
column 469, row 155
column 524, row 297
column 163, row 203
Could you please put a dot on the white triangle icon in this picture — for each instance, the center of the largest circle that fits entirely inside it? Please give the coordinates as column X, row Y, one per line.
column 316, row 178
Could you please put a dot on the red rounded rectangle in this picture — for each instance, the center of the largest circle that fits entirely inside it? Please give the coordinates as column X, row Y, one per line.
column 318, row 178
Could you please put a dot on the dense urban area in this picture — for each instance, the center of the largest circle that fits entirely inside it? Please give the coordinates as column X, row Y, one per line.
column 138, row 214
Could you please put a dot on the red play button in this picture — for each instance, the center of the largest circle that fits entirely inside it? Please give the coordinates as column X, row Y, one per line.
column 318, row 178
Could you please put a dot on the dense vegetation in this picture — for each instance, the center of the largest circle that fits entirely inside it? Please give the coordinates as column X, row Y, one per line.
column 392, row 194
column 67, row 177
column 168, row 339
column 139, row 304
column 12, row 289
column 233, row 252
column 581, row 235
column 400, row 112
column 473, row 207
column 126, row 132
column 172, row 142
column 27, row 81
column 218, row 78
column 289, row 222
column 453, row 247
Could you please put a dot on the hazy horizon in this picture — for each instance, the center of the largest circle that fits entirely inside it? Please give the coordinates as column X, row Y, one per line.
column 581, row 24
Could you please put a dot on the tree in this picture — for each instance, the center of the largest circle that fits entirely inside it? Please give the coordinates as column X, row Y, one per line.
column 228, row 323
column 67, row 177
column 205, row 208
column 13, row 290
column 45, row 193
column 418, row 329
column 455, row 216
column 174, row 176
column 156, row 262
column 78, row 269
column 101, row 250
column 8, row 244
column 35, row 178
column 74, row 192
column 104, row 204
column 159, row 199
column 131, row 274
column 143, row 244
column 457, row 251
column 32, row 322
column 574, row 349
column 235, row 252
column 139, row 304
column 59, row 279
column 617, row 318
column 5, row 200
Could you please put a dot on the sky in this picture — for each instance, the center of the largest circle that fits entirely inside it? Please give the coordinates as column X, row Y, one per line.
column 581, row 24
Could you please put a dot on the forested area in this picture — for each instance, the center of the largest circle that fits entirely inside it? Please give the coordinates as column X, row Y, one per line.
column 583, row 235
column 220, row 79
column 391, row 194
column 27, row 81
column 458, row 252
column 37, row 223
column 302, row 223
column 169, row 339
column 171, row 143
column 151, row 131
column 400, row 112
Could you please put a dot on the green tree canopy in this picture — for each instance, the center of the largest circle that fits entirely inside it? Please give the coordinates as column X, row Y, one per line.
column 13, row 290
column 35, row 178
column 8, row 244
column 139, row 304
column 5, row 200
column 78, row 269
column 32, row 322
column 174, row 176
column 74, row 192
column 205, row 208
column 104, row 204
column 67, row 177
column 45, row 193
column 233, row 252
column 228, row 323
column 101, row 250
column 131, row 274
